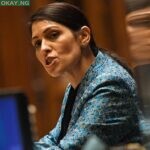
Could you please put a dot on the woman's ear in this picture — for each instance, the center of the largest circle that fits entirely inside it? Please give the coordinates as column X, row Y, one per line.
column 84, row 36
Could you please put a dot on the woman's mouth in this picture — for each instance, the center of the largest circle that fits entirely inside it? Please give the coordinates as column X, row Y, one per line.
column 50, row 61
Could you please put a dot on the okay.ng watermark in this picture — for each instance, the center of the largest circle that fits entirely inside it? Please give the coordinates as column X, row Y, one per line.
column 14, row 2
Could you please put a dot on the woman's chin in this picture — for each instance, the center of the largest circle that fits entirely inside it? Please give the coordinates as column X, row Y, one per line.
column 54, row 74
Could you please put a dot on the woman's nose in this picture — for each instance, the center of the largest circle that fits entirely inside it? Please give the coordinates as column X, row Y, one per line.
column 45, row 47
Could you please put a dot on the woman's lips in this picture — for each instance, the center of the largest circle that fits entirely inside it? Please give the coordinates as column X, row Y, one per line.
column 50, row 61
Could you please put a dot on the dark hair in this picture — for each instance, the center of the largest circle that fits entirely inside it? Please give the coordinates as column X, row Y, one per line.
column 65, row 14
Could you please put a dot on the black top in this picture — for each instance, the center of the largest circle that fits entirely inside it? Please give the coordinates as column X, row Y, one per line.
column 67, row 114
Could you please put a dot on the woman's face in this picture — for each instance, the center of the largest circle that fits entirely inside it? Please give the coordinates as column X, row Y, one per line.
column 57, row 47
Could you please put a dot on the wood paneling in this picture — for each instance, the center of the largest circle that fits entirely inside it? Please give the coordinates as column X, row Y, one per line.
column 108, row 21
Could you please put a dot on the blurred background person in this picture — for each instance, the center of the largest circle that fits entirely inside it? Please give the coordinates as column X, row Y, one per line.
column 138, row 29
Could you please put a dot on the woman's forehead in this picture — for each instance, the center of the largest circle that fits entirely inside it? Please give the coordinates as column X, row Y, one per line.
column 41, row 26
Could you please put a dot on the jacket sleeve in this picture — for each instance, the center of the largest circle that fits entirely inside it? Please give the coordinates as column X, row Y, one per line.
column 49, row 140
column 109, row 113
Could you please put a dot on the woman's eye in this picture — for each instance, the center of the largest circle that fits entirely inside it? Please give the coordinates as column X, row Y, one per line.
column 53, row 35
column 37, row 44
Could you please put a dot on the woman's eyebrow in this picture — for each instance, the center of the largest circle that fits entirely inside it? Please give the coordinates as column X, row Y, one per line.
column 46, row 30
column 50, row 28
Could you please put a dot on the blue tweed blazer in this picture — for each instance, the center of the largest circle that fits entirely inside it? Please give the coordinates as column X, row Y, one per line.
column 105, row 106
